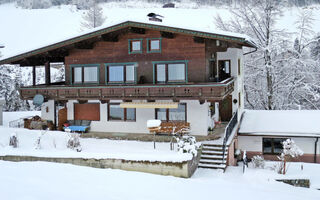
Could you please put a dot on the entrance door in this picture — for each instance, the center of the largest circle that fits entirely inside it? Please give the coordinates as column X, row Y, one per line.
column 225, row 109
column 62, row 117
column 224, row 69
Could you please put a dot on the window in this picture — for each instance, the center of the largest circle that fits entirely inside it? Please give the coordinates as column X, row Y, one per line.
column 224, row 69
column 115, row 113
column 176, row 72
column 77, row 71
column 120, row 73
column 239, row 96
column 171, row 72
column 161, row 73
column 90, row 74
column 154, row 45
column 85, row 74
column 272, row 145
column 135, row 46
column 116, row 74
column 172, row 114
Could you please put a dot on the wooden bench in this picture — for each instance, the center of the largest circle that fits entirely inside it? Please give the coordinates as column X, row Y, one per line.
column 170, row 128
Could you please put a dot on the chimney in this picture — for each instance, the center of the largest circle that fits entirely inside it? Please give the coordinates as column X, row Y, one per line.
column 155, row 17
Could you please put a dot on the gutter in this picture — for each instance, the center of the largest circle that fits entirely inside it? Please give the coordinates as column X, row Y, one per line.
column 315, row 150
column 255, row 49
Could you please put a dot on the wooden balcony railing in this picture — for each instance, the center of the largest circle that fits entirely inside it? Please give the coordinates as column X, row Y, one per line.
column 201, row 91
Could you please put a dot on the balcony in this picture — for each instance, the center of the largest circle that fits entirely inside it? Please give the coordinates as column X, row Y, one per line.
column 197, row 91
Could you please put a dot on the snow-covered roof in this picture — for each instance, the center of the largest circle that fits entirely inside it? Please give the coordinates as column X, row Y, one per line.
column 170, row 25
column 300, row 123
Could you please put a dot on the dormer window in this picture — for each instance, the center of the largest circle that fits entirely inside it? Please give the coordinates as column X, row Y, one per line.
column 135, row 46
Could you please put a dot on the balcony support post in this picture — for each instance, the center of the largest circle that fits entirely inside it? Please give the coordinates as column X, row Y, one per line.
column 34, row 75
column 47, row 73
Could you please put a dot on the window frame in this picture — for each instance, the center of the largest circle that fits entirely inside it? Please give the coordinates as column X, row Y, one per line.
column 124, row 65
column 168, row 114
column 130, row 51
column 124, row 113
column 149, row 50
column 82, row 66
column 167, row 63
column 272, row 145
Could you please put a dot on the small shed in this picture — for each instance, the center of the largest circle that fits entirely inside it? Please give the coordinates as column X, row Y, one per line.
column 262, row 132
column 2, row 102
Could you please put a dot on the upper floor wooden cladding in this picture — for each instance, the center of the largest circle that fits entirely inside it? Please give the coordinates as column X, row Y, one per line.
column 115, row 49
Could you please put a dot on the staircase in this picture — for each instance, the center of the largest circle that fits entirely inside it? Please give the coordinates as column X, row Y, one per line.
column 212, row 156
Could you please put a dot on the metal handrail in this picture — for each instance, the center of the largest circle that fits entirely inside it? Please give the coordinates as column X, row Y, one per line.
column 227, row 132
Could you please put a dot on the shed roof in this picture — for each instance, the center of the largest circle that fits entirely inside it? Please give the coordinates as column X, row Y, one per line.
column 300, row 123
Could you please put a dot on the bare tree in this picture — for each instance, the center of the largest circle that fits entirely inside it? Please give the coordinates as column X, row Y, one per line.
column 280, row 75
column 94, row 17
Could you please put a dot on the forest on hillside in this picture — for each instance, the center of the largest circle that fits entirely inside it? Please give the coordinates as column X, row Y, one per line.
column 84, row 4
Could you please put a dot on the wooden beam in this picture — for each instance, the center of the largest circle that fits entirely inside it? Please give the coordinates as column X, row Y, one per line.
column 34, row 75
column 198, row 40
column 82, row 101
column 84, row 45
column 104, row 101
column 167, row 34
column 47, row 73
column 110, row 38
column 138, row 30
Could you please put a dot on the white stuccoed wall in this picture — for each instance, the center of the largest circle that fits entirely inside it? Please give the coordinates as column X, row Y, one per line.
column 254, row 143
column 233, row 54
column 197, row 115
column 48, row 115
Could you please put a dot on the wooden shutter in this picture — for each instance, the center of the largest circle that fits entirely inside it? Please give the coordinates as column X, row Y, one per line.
column 87, row 111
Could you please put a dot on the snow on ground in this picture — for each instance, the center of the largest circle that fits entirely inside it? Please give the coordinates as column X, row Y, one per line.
column 54, row 144
column 41, row 180
column 44, row 26
column 11, row 116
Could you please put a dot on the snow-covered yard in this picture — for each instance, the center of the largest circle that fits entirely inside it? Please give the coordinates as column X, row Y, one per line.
column 40, row 180
column 54, row 144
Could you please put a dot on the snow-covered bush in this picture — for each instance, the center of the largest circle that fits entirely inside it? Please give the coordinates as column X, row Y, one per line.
column 258, row 161
column 290, row 150
column 14, row 140
column 74, row 142
column 188, row 144
column 37, row 144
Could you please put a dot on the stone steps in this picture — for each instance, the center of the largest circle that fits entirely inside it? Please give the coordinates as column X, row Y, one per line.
column 212, row 156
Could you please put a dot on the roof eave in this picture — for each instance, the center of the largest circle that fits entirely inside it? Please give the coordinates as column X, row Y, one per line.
column 70, row 41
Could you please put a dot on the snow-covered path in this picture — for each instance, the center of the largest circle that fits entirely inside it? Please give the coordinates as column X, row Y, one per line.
column 40, row 180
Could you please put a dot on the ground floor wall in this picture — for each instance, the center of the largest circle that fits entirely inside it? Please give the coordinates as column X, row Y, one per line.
column 197, row 115
column 253, row 145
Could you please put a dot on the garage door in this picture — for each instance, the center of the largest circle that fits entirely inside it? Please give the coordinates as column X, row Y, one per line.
column 87, row 111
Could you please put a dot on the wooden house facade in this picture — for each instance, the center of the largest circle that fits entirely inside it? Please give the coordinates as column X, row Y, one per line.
column 121, row 75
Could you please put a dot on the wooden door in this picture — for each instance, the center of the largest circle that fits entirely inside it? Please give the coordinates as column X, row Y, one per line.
column 62, row 117
column 225, row 109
